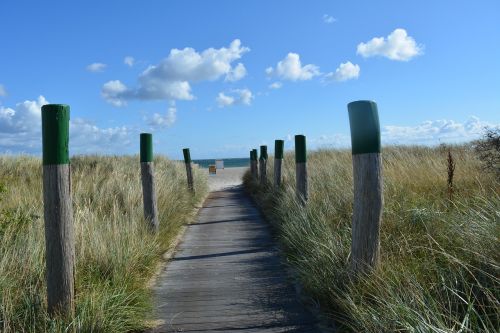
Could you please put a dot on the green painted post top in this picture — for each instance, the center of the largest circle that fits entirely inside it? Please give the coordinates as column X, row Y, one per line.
column 263, row 152
column 253, row 155
column 278, row 149
column 365, row 127
column 146, row 147
column 300, row 149
column 55, row 134
column 187, row 155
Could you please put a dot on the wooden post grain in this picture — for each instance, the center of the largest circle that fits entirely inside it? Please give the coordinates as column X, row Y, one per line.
column 301, row 187
column 189, row 169
column 278, row 160
column 58, row 211
column 254, row 165
column 263, row 165
column 367, row 175
column 147, row 177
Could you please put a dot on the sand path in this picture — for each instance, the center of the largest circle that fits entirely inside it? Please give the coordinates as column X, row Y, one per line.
column 226, row 178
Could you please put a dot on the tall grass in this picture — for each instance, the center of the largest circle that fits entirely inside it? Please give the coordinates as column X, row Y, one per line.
column 115, row 253
column 439, row 267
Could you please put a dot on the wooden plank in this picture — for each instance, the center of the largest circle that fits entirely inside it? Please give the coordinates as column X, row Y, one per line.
column 229, row 276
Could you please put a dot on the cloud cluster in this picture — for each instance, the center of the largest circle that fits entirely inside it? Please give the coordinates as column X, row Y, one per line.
column 345, row 71
column 171, row 79
column 235, row 97
column 158, row 121
column 20, row 131
column 236, row 73
column 96, row 67
column 24, row 117
column 3, row 92
column 429, row 132
column 397, row 46
column 290, row 68
column 435, row 131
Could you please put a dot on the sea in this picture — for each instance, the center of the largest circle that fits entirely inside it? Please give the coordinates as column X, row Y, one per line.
column 228, row 162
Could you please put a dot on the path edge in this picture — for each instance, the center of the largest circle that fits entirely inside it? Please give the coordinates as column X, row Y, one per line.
column 311, row 305
column 152, row 323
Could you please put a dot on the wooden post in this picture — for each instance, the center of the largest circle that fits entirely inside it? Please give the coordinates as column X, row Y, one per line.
column 263, row 165
column 58, row 211
column 301, row 168
column 252, row 171
column 278, row 160
column 148, row 185
column 368, row 196
column 254, row 165
column 189, row 168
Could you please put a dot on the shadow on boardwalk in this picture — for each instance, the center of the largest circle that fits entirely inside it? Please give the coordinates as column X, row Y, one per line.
column 227, row 275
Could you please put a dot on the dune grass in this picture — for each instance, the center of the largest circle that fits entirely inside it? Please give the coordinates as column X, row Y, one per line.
column 439, row 267
column 116, row 256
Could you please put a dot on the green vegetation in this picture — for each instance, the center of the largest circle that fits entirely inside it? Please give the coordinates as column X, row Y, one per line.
column 116, row 256
column 439, row 267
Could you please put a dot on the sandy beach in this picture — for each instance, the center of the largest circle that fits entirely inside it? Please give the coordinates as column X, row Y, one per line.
column 225, row 178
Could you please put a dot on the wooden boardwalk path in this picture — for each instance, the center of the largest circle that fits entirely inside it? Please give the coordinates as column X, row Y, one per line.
column 227, row 275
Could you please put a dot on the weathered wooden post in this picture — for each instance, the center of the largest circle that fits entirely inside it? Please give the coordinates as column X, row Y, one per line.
column 148, row 186
column 189, row 168
column 368, row 196
column 263, row 165
column 252, row 171
column 58, row 211
column 301, row 168
column 278, row 160
column 254, row 165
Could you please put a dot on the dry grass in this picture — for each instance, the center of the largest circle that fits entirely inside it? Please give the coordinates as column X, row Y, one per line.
column 440, row 258
column 115, row 253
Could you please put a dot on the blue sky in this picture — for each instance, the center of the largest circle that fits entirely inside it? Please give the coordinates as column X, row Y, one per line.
column 173, row 68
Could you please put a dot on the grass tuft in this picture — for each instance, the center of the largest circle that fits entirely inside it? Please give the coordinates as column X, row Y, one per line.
column 439, row 267
column 115, row 254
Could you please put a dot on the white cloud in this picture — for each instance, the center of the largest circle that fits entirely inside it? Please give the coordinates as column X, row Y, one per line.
column 162, row 121
column 328, row 19
column 129, row 61
column 237, row 73
column 397, row 46
column 96, row 67
column 275, row 85
column 113, row 92
column 20, row 131
column 24, row 117
column 171, row 79
column 224, row 100
column 345, row 71
column 235, row 97
column 290, row 68
column 3, row 92
column 435, row 131
column 88, row 138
